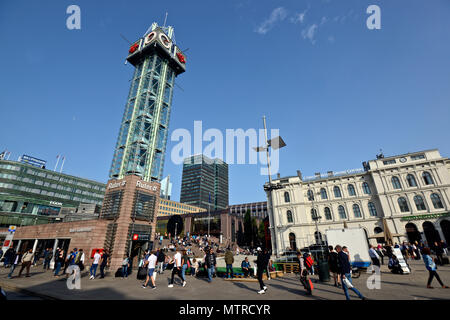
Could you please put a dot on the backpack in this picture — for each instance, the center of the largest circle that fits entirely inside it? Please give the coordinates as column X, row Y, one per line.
column 77, row 257
column 309, row 262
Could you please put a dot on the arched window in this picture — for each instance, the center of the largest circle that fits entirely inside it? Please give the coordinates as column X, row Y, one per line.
column 342, row 213
column 323, row 194
column 411, row 180
column 437, row 203
column 427, row 178
column 366, row 188
column 310, row 195
column 396, row 183
column 286, row 197
column 289, row 216
column 372, row 209
column 403, row 204
column 337, row 192
column 420, row 205
column 356, row 211
column 313, row 214
column 328, row 214
column 351, row 190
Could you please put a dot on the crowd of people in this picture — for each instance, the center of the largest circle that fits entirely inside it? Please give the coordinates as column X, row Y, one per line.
column 179, row 258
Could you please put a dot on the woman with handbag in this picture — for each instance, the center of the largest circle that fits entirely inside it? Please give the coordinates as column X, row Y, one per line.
column 431, row 267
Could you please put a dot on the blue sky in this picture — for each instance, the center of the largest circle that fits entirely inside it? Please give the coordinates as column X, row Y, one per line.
column 337, row 91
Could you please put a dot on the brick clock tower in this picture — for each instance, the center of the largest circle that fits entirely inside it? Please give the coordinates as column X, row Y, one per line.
column 131, row 204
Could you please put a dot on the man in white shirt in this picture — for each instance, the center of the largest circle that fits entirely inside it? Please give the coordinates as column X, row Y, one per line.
column 374, row 256
column 151, row 264
column 94, row 265
column 176, row 268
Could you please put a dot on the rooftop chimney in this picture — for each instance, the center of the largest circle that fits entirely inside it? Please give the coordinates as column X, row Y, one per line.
column 299, row 174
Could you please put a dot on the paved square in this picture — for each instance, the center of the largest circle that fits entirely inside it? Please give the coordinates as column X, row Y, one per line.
column 393, row 287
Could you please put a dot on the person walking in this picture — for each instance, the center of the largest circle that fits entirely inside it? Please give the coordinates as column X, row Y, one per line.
column 176, row 268
column 210, row 260
column 151, row 264
column 94, row 265
column 303, row 271
column 245, row 266
column 333, row 265
column 27, row 259
column 380, row 253
column 229, row 259
column 185, row 263
column 9, row 256
column 261, row 264
column 125, row 266
column 161, row 258
column 48, row 256
column 103, row 263
column 431, row 267
column 374, row 256
column 17, row 258
column 59, row 261
column 345, row 273
column 439, row 250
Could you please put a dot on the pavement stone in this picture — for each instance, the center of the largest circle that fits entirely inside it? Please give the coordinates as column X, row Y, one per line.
column 393, row 287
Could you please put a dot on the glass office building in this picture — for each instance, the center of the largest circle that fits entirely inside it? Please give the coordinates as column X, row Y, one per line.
column 30, row 195
column 203, row 177
column 141, row 143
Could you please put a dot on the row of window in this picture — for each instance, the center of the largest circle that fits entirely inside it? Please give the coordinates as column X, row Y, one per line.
column 411, row 180
column 65, row 180
column 420, row 204
column 50, row 185
column 45, row 193
column 341, row 212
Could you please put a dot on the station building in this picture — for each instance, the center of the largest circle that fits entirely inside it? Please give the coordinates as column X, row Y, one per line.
column 410, row 192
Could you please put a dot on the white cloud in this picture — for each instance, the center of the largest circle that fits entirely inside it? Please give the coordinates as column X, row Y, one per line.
column 324, row 19
column 310, row 32
column 298, row 17
column 278, row 14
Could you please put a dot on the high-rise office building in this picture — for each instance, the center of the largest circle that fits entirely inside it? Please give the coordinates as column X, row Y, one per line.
column 205, row 182
column 141, row 143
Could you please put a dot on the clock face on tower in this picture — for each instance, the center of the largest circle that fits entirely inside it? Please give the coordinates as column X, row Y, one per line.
column 402, row 160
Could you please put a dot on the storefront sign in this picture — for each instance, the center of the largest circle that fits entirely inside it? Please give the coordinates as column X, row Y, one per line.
column 81, row 230
column 426, row 216
column 12, row 229
column 54, row 203
column 144, row 185
column 113, row 185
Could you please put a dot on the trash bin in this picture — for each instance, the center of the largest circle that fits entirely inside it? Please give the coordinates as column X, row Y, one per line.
column 320, row 254
column 324, row 272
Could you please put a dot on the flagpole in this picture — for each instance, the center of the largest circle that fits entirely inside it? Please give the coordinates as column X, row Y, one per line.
column 62, row 165
column 57, row 161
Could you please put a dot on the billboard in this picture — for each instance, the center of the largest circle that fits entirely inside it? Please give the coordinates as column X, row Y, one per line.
column 33, row 161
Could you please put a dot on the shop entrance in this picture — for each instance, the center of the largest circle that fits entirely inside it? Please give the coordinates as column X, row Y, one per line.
column 412, row 233
column 445, row 227
column 430, row 233
column 138, row 248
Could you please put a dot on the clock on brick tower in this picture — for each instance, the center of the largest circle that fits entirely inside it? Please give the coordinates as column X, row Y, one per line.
column 141, row 144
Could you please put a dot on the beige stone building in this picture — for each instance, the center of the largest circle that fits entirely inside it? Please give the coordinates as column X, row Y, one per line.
column 411, row 192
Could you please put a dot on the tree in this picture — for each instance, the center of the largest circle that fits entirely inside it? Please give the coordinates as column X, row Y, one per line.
column 261, row 232
column 247, row 229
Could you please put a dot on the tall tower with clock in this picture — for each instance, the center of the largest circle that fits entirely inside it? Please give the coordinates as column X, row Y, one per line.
column 141, row 144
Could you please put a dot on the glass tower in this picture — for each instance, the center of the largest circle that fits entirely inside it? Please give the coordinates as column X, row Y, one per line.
column 141, row 143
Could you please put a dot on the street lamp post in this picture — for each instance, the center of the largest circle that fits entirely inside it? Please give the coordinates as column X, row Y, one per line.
column 274, row 143
column 316, row 218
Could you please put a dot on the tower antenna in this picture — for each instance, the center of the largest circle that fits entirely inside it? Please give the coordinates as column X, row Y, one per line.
column 165, row 19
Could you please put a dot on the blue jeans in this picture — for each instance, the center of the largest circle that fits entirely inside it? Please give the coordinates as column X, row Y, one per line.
column 13, row 266
column 57, row 268
column 210, row 273
column 229, row 267
column 124, row 271
column 349, row 277
column 93, row 269
column 183, row 271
